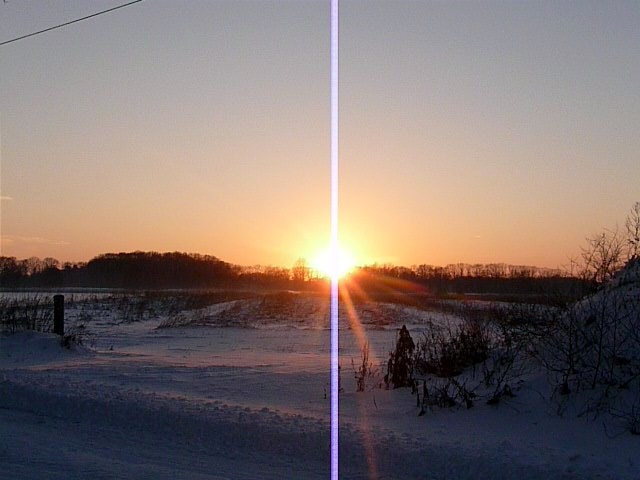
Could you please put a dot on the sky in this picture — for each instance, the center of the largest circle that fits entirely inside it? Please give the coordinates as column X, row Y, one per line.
column 470, row 132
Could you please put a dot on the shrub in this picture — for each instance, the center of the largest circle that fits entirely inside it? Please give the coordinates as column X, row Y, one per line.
column 401, row 361
column 26, row 313
column 592, row 348
column 447, row 354
column 365, row 371
column 444, row 393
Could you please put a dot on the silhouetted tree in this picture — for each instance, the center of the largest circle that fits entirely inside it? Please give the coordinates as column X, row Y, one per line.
column 401, row 360
column 632, row 225
column 12, row 272
column 300, row 271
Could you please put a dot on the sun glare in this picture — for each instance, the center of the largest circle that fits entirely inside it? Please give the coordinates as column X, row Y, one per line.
column 334, row 263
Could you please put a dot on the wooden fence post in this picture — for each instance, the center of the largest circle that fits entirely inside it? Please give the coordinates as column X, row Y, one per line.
column 58, row 314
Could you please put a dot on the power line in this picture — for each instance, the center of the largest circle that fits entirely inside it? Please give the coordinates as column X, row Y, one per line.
column 69, row 23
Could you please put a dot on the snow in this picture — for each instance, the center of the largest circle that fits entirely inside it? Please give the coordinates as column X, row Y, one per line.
column 248, row 398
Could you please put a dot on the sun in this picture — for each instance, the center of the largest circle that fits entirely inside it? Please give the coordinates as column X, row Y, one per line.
column 334, row 263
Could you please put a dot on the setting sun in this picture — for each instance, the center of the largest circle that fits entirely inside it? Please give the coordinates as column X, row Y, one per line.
column 334, row 262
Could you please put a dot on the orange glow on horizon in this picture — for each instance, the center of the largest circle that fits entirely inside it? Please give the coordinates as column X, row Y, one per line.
column 334, row 262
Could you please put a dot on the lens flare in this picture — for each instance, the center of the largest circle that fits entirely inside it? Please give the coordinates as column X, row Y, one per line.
column 334, row 263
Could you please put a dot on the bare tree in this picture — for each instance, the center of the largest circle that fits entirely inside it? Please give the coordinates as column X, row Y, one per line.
column 33, row 265
column 603, row 256
column 632, row 224
column 300, row 271
column 591, row 346
column 50, row 262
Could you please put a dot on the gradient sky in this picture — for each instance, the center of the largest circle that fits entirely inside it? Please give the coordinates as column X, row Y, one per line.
column 469, row 131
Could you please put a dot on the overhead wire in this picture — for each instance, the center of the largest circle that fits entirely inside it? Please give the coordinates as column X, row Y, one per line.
column 70, row 22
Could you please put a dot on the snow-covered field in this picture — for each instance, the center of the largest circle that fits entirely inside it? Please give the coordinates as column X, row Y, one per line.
column 230, row 392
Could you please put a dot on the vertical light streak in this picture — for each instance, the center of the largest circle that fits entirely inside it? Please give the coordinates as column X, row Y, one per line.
column 334, row 239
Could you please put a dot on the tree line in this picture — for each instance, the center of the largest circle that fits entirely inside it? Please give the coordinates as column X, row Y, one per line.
column 144, row 270
column 119, row 270
column 188, row 270
column 478, row 279
column 602, row 256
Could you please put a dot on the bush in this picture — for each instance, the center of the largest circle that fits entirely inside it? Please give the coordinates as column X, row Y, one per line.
column 444, row 393
column 26, row 313
column 401, row 361
column 365, row 371
column 447, row 354
column 458, row 365
column 592, row 348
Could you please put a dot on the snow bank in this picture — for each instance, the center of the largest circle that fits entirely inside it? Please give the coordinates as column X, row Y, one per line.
column 224, row 403
column 35, row 348
column 140, row 435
